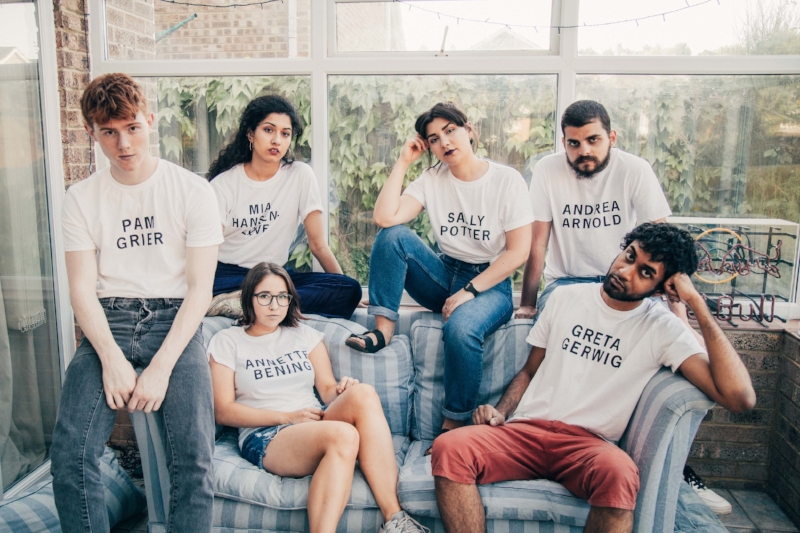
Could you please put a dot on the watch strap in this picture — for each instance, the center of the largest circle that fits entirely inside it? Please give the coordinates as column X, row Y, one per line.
column 469, row 287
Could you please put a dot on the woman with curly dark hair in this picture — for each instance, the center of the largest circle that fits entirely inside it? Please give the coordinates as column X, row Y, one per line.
column 263, row 194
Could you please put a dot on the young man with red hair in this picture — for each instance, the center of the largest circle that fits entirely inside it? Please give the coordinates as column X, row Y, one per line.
column 141, row 241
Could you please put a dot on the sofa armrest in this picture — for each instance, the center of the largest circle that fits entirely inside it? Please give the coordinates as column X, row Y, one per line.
column 658, row 439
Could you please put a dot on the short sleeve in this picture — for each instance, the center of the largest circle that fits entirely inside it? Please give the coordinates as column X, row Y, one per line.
column 309, row 193
column 311, row 336
column 203, row 226
column 676, row 343
column 540, row 332
column 223, row 348
column 539, row 198
column 218, row 187
column 648, row 197
column 416, row 189
column 76, row 229
column 516, row 207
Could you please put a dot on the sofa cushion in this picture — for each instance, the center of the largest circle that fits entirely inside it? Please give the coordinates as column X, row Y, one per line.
column 505, row 354
column 540, row 500
column 237, row 479
column 34, row 510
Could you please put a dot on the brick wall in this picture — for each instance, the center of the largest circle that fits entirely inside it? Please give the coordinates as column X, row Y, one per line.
column 73, row 76
column 732, row 450
column 784, row 472
column 131, row 29
column 246, row 32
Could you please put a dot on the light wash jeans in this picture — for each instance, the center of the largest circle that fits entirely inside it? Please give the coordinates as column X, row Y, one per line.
column 85, row 421
column 558, row 282
column 400, row 259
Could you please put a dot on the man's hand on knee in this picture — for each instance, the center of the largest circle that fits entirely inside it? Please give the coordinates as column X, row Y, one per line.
column 151, row 387
column 119, row 381
column 487, row 414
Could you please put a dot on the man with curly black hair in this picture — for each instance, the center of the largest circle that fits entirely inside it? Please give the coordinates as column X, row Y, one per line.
column 594, row 349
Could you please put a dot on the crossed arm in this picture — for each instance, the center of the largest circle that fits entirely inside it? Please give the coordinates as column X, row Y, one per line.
column 120, row 383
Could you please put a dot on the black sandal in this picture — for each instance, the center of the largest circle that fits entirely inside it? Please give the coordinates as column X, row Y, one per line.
column 369, row 346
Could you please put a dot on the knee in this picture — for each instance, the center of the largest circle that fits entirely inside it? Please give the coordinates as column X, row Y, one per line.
column 342, row 440
column 461, row 331
column 391, row 236
column 363, row 396
column 452, row 458
column 615, row 479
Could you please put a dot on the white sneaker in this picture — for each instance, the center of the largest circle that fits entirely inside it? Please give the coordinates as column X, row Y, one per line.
column 717, row 503
column 401, row 522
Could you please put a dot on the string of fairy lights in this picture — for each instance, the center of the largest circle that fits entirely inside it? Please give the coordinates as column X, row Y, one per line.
column 458, row 19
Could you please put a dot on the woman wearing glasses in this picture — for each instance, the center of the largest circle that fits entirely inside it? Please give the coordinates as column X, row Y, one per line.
column 264, row 374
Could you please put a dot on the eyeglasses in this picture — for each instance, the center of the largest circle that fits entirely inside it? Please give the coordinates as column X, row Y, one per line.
column 265, row 298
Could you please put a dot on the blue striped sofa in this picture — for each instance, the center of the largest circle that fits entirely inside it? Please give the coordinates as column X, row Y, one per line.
column 407, row 375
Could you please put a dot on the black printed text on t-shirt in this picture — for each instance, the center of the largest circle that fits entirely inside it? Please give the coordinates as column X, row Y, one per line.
column 470, row 226
column 289, row 363
column 588, row 216
column 258, row 221
column 593, row 346
column 135, row 233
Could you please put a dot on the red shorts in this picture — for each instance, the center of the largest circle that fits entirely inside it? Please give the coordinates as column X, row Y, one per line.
column 584, row 463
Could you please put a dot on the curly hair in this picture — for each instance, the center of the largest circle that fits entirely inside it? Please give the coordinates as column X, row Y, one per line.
column 112, row 96
column 667, row 244
column 239, row 149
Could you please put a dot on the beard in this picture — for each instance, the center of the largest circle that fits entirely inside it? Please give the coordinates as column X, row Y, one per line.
column 622, row 295
column 598, row 167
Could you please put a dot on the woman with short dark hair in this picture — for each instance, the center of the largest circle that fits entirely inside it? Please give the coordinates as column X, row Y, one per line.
column 481, row 219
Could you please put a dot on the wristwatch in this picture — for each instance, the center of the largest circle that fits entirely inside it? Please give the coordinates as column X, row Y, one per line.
column 469, row 287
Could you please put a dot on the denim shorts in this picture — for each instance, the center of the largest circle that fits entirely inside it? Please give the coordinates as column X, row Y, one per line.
column 255, row 444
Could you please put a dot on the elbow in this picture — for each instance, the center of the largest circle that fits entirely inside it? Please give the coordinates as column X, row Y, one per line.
column 742, row 401
column 317, row 248
column 381, row 221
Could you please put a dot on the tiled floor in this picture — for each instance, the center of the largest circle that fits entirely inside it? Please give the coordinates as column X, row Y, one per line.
column 753, row 512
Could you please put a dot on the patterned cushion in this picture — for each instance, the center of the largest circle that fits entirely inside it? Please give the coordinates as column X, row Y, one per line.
column 505, row 353
column 237, row 479
column 390, row 370
column 34, row 510
column 402, row 326
column 509, row 500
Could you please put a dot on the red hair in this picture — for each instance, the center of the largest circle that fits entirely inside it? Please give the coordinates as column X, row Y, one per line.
column 112, row 96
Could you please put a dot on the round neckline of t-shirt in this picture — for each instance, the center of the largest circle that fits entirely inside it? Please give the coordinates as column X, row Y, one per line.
column 260, row 184
column 641, row 308
column 260, row 337
column 474, row 183
column 146, row 184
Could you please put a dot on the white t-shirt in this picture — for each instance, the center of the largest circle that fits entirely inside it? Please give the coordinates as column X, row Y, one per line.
column 141, row 232
column 591, row 216
column 271, row 372
column 260, row 218
column 470, row 219
column 599, row 360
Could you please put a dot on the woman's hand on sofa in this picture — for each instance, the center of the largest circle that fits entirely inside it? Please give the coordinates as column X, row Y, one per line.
column 345, row 383
column 487, row 414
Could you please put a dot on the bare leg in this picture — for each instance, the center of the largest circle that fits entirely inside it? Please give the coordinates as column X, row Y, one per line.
column 460, row 506
column 609, row 520
column 327, row 450
column 385, row 326
column 360, row 406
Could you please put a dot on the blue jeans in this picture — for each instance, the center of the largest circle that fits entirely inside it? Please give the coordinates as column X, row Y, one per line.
column 85, row 421
column 558, row 282
column 331, row 295
column 400, row 260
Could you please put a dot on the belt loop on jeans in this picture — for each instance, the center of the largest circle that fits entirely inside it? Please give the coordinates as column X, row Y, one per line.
column 110, row 304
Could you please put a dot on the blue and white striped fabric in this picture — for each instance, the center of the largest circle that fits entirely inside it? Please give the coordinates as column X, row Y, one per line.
column 34, row 511
column 237, row 479
column 505, row 354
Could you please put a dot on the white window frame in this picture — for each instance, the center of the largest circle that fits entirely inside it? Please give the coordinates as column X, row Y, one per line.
column 562, row 60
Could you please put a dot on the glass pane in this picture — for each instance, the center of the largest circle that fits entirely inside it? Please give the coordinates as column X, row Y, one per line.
column 727, row 152
column 30, row 378
column 371, row 117
column 214, row 29
column 732, row 27
column 197, row 117
column 431, row 26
